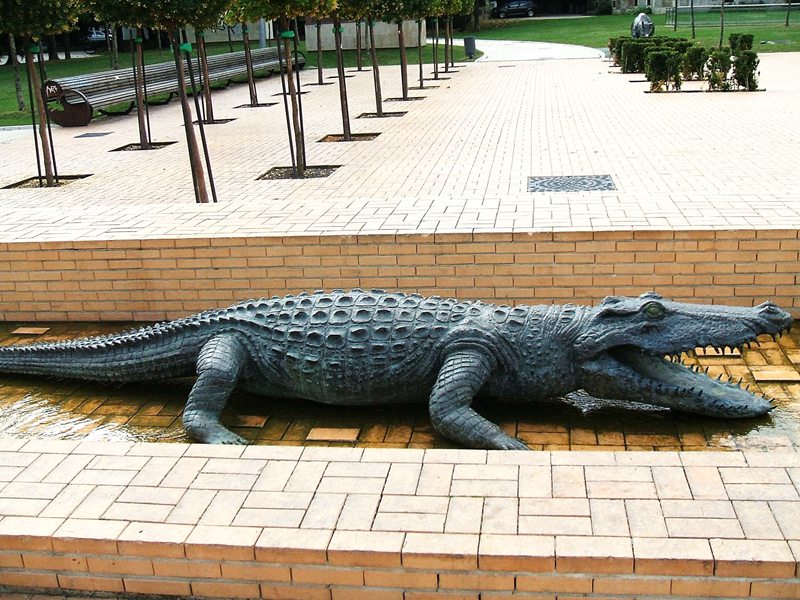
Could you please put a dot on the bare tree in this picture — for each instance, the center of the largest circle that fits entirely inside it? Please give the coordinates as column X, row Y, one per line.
column 396, row 11
column 172, row 15
column 283, row 10
column 13, row 60
column 134, row 14
column 32, row 21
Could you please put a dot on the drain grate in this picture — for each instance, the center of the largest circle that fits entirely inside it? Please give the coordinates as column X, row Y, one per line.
column 571, row 183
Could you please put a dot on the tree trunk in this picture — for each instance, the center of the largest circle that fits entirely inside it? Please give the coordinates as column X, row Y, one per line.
column 403, row 60
column 376, row 76
column 38, row 100
column 446, row 47
column 419, row 49
column 691, row 9
column 230, row 39
column 14, row 61
column 337, row 37
column 67, row 46
column 144, row 139
column 206, row 82
column 296, row 51
column 788, row 9
column 319, row 53
column 436, row 49
column 452, row 54
column 359, row 58
column 109, row 34
column 114, row 53
column 52, row 48
column 248, row 61
column 721, row 21
column 198, row 175
column 299, row 146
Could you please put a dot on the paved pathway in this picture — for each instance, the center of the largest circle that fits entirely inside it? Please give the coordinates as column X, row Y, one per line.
column 457, row 161
column 510, row 50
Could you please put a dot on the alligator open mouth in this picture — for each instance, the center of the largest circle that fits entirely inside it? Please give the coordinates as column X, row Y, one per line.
column 628, row 372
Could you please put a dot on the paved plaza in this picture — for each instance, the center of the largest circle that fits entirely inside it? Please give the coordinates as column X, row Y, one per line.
column 699, row 200
column 458, row 161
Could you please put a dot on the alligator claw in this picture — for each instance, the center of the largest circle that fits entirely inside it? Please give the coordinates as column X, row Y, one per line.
column 508, row 443
column 217, row 434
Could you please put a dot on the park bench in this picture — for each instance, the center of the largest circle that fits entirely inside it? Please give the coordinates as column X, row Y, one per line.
column 72, row 100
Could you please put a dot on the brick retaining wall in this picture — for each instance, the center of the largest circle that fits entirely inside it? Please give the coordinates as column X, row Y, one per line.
column 164, row 278
column 350, row 524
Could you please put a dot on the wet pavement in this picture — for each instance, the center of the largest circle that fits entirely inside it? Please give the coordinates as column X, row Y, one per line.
column 62, row 409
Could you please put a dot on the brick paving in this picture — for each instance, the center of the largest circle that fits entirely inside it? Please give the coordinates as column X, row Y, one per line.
column 458, row 161
column 409, row 523
column 276, row 522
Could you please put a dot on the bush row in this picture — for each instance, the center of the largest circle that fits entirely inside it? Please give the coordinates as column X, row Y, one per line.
column 666, row 62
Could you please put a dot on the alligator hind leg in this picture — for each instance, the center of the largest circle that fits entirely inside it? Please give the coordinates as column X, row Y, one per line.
column 461, row 377
column 218, row 367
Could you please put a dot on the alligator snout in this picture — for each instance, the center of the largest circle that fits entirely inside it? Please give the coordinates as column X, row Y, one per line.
column 770, row 312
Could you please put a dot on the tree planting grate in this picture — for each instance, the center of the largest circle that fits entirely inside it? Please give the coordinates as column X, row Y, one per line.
column 259, row 105
column 571, row 183
column 40, row 182
column 93, row 134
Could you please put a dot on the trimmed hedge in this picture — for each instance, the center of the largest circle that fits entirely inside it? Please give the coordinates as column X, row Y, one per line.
column 694, row 62
column 740, row 42
column 663, row 69
column 719, row 63
column 745, row 64
column 666, row 61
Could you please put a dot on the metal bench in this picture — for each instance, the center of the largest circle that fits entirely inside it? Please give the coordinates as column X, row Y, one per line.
column 72, row 101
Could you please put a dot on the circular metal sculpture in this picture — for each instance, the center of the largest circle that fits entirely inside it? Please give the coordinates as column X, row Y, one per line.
column 642, row 26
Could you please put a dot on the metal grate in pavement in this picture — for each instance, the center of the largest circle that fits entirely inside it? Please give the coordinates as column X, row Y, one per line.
column 93, row 134
column 571, row 183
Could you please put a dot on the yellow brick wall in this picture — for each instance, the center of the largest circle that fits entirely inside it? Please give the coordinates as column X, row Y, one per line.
column 159, row 279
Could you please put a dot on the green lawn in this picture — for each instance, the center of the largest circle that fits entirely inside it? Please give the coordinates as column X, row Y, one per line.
column 9, row 115
column 595, row 31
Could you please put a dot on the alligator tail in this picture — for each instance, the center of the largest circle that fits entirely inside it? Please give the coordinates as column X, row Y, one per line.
column 150, row 353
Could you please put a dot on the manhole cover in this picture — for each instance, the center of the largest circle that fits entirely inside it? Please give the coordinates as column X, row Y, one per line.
column 571, row 183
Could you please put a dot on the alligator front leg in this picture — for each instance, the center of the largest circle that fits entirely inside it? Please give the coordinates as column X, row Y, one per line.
column 218, row 367
column 461, row 377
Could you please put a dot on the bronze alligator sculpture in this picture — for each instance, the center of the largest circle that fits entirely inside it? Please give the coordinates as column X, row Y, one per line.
column 374, row 347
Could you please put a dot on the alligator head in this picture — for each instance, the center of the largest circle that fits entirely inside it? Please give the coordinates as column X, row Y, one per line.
column 629, row 349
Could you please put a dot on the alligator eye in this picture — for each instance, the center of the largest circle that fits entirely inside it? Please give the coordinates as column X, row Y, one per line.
column 654, row 310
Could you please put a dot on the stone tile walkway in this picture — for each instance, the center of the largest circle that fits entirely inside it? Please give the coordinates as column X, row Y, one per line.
column 272, row 522
column 458, row 161
column 510, row 50
column 411, row 524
